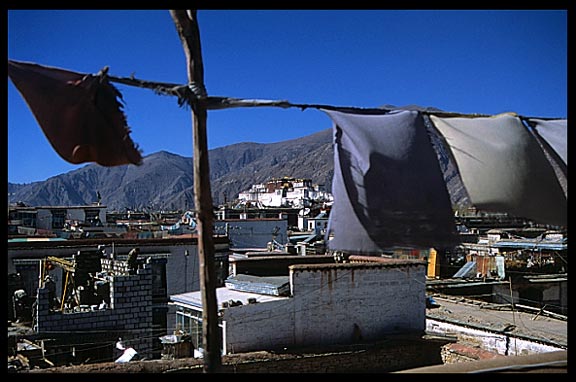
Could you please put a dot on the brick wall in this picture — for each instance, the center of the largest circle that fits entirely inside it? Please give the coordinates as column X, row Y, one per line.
column 130, row 312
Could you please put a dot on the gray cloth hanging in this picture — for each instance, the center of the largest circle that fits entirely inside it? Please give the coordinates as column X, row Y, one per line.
column 388, row 187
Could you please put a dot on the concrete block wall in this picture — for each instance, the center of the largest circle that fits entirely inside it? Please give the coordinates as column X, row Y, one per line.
column 114, row 266
column 350, row 302
column 130, row 312
column 333, row 304
column 182, row 272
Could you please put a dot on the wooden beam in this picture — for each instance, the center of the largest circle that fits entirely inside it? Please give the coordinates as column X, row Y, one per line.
column 65, row 264
column 187, row 27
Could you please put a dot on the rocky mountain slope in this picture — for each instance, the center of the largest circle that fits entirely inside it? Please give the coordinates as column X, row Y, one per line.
column 165, row 180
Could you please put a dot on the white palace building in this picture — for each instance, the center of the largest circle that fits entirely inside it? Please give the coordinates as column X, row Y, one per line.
column 286, row 192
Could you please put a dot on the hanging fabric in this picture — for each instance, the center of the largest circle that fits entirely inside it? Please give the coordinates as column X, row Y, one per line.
column 503, row 168
column 458, row 196
column 79, row 114
column 555, row 133
column 552, row 135
column 388, row 187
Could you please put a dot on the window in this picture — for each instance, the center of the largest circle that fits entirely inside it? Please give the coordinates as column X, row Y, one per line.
column 58, row 219
column 92, row 217
column 28, row 218
column 190, row 321
column 159, row 280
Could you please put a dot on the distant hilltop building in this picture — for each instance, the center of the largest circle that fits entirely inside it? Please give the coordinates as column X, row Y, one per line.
column 286, row 192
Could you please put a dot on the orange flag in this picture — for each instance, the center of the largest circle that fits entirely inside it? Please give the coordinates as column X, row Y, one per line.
column 79, row 113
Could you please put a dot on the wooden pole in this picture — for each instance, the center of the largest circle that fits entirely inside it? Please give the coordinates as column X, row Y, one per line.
column 187, row 27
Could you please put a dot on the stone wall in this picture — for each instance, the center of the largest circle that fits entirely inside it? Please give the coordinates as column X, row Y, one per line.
column 396, row 353
column 393, row 354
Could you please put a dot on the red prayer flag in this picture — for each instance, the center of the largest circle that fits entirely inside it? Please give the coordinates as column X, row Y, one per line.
column 79, row 113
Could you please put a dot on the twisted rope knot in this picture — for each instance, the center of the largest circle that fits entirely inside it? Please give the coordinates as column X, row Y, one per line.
column 188, row 94
column 198, row 90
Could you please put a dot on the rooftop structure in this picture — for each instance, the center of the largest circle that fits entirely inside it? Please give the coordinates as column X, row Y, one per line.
column 285, row 192
column 327, row 303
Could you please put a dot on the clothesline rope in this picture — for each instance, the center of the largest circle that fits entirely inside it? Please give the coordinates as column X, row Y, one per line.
column 190, row 93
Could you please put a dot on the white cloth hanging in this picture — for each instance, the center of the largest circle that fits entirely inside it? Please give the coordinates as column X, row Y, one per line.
column 503, row 167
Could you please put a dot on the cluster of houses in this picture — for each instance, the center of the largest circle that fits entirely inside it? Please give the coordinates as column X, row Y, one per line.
column 110, row 279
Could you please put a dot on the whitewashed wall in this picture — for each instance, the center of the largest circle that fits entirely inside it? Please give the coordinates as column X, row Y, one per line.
column 336, row 303
column 500, row 343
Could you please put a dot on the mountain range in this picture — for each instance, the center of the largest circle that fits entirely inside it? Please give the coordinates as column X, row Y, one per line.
column 165, row 181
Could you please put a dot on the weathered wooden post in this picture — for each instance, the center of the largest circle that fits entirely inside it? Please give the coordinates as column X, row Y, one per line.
column 187, row 27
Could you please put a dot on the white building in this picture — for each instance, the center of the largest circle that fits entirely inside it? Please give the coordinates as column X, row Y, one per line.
column 317, row 224
column 334, row 303
column 286, row 192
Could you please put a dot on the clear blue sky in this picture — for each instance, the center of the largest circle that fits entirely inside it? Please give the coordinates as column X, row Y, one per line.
column 463, row 61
